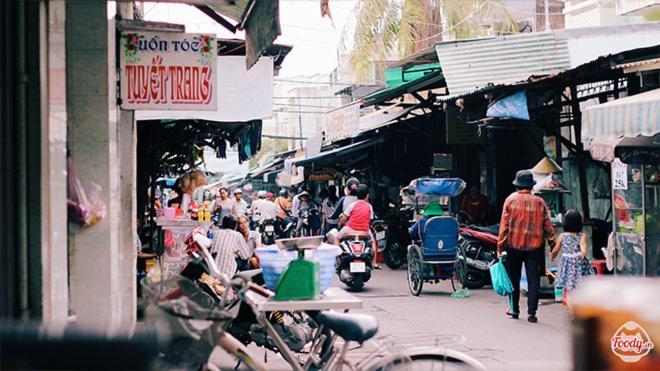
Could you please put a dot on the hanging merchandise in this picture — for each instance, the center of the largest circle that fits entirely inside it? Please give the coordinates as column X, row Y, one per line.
column 84, row 205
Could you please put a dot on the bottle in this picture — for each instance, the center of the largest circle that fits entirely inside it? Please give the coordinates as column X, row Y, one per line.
column 207, row 215
column 200, row 214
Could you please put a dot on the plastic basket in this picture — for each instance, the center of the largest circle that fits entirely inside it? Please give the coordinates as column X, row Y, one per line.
column 274, row 261
column 326, row 256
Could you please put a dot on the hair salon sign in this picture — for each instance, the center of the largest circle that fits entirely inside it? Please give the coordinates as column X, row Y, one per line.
column 168, row 71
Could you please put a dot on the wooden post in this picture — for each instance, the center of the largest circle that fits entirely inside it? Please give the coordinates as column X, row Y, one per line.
column 582, row 171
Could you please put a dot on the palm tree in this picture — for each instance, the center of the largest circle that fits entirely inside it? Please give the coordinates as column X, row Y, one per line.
column 385, row 29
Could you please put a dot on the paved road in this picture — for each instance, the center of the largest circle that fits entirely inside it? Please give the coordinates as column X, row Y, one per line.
column 498, row 342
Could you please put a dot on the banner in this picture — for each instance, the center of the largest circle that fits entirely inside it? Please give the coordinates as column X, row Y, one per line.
column 168, row 71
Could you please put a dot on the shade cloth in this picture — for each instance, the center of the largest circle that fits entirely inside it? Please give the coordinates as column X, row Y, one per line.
column 630, row 116
column 625, row 128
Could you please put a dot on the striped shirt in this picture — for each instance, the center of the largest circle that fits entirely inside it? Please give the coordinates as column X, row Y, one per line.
column 227, row 245
column 525, row 223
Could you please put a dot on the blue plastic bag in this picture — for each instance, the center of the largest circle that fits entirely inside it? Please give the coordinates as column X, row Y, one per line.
column 501, row 282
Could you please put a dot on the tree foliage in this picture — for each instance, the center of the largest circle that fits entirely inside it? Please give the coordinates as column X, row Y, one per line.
column 385, row 29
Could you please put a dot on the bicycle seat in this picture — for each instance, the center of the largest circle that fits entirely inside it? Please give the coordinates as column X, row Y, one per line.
column 350, row 327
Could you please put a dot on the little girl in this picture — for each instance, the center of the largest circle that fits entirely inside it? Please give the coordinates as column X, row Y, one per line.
column 573, row 246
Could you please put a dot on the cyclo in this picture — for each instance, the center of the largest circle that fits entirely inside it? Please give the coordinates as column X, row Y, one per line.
column 433, row 255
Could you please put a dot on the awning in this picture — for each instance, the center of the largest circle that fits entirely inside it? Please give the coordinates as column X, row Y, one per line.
column 626, row 128
column 331, row 156
column 631, row 116
column 259, row 19
column 631, row 150
column 260, row 170
column 429, row 81
column 383, row 117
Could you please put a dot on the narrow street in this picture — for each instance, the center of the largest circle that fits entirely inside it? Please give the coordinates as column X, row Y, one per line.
column 495, row 340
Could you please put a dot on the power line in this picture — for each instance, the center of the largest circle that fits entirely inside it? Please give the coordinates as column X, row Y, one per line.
column 312, row 82
column 303, row 105
column 328, row 97
column 295, row 111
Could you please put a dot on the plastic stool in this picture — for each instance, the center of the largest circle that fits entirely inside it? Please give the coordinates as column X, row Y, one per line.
column 600, row 266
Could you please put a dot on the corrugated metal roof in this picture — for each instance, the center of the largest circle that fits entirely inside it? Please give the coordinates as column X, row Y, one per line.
column 471, row 65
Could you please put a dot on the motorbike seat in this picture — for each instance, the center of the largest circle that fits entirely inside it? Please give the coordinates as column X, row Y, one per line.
column 357, row 235
column 349, row 326
column 492, row 229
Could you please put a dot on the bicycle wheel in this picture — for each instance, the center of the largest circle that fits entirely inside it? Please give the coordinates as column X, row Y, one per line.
column 430, row 362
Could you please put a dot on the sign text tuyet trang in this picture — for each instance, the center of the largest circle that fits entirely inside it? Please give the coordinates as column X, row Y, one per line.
column 168, row 71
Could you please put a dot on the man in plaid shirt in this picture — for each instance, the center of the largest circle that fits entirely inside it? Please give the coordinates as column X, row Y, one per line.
column 524, row 228
column 229, row 245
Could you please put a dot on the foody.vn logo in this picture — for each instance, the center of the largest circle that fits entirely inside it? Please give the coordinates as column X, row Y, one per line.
column 631, row 342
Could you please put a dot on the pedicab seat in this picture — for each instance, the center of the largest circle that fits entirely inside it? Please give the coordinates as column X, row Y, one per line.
column 440, row 241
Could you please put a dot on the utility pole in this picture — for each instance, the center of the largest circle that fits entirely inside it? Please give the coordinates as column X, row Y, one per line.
column 547, row 14
column 300, row 121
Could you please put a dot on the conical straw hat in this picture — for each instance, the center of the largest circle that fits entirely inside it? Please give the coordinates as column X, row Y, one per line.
column 547, row 166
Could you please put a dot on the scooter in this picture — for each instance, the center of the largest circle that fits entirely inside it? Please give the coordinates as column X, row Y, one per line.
column 354, row 264
column 306, row 215
column 478, row 247
column 267, row 230
column 284, row 228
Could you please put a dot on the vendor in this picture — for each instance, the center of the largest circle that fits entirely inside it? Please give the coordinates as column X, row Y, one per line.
column 475, row 204
column 185, row 186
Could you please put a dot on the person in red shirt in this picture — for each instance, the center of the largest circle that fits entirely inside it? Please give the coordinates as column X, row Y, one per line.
column 524, row 228
column 357, row 218
column 358, row 215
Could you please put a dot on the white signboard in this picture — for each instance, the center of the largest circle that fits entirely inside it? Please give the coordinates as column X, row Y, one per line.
column 168, row 71
column 619, row 175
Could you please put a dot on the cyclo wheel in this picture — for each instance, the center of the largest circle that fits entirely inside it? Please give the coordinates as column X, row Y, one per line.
column 414, row 275
column 459, row 275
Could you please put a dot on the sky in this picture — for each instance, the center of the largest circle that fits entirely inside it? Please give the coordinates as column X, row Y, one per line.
column 314, row 39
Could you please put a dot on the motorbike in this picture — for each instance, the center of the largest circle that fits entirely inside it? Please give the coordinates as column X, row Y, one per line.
column 397, row 222
column 267, row 230
column 478, row 248
column 285, row 228
column 354, row 264
column 306, row 216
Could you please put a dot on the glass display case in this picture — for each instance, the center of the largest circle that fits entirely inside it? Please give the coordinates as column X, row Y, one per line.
column 635, row 201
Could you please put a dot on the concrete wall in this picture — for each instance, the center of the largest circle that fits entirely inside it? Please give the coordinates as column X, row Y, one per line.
column 102, row 257
column 589, row 13
column 55, row 291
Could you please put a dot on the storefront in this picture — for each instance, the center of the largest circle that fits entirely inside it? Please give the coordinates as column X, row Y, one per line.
column 624, row 133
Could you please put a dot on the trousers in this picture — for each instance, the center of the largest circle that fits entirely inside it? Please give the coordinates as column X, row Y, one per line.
column 533, row 261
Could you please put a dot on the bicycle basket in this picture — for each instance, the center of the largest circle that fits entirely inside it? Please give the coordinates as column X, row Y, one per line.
column 181, row 298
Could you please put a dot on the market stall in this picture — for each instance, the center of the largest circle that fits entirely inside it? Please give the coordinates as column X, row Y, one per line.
column 624, row 133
